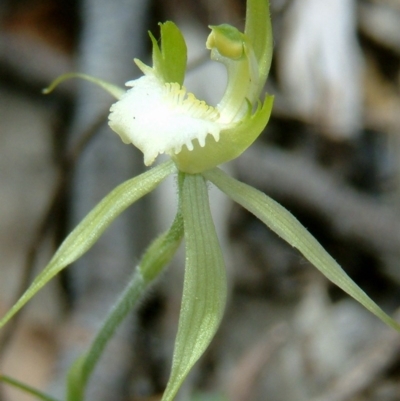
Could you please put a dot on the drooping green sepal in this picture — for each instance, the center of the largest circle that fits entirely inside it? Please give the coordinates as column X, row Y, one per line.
column 92, row 226
column 285, row 225
column 205, row 286
column 156, row 257
column 232, row 143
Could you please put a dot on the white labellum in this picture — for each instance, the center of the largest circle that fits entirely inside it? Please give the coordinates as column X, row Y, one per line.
column 160, row 117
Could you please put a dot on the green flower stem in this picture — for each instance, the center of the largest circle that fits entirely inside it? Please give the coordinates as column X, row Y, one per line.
column 284, row 224
column 157, row 255
column 92, row 226
column 205, row 287
column 25, row 388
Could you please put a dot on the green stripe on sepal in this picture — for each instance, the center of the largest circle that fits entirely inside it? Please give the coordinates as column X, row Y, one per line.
column 92, row 226
column 205, row 286
column 283, row 223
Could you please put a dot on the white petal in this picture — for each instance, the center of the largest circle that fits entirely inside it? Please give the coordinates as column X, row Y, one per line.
column 158, row 118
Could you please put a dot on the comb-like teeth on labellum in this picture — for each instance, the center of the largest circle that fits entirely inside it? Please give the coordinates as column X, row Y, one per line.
column 160, row 117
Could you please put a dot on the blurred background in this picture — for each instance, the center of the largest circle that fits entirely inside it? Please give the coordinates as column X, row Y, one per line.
column 330, row 154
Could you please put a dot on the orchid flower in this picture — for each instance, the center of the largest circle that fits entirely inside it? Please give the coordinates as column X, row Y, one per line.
column 158, row 115
column 196, row 135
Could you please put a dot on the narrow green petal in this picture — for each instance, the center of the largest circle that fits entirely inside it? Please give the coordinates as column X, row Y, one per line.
column 113, row 90
column 25, row 388
column 205, row 287
column 259, row 31
column 157, row 256
column 232, row 143
column 161, row 251
column 283, row 223
column 169, row 62
column 92, row 226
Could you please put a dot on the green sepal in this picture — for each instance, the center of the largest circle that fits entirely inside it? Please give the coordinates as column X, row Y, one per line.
column 169, row 62
column 113, row 90
column 205, row 285
column 156, row 257
column 285, row 225
column 258, row 29
column 92, row 226
column 232, row 143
